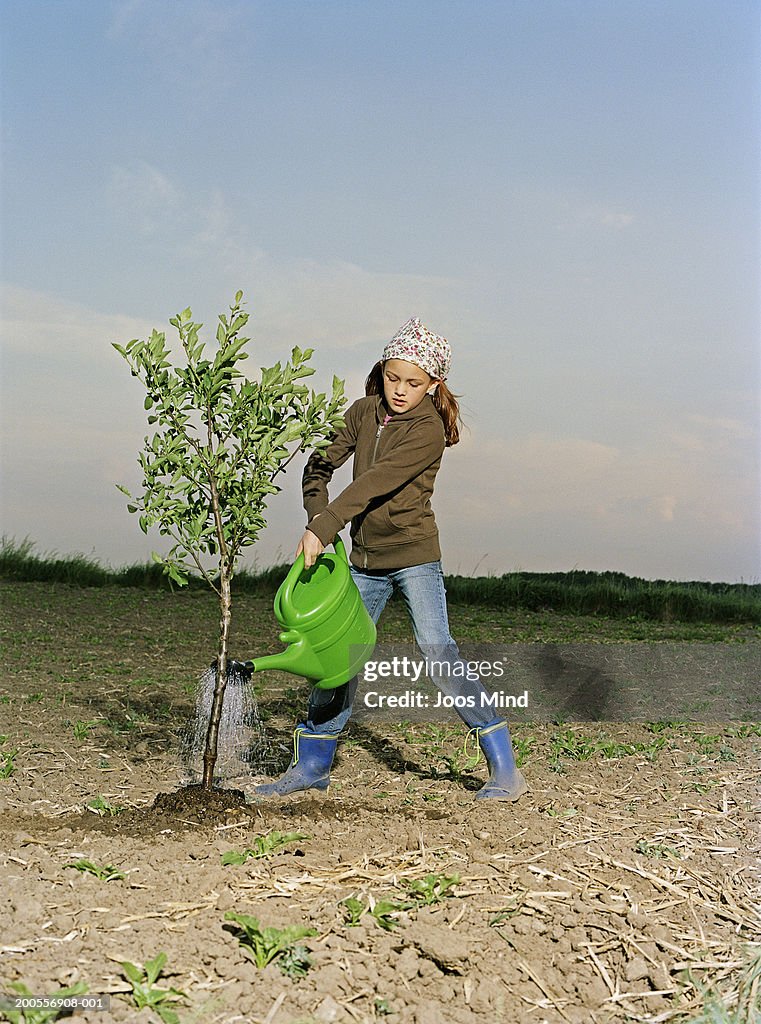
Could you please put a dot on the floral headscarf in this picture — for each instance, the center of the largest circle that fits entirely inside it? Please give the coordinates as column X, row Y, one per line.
column 415, row 343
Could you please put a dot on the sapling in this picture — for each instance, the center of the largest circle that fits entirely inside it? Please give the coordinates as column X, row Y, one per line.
column 219, row 443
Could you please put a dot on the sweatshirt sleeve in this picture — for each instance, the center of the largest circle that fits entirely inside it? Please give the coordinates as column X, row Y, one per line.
column 421, row 446
column 322, row 464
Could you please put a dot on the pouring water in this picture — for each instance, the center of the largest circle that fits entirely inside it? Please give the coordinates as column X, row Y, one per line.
column 243, row 749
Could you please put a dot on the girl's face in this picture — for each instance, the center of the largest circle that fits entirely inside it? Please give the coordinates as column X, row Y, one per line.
column 405, row 385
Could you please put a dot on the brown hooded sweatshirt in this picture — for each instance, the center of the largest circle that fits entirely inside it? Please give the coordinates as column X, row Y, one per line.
column 389, row 499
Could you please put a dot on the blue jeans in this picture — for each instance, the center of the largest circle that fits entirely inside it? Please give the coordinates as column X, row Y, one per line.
column 422, row 587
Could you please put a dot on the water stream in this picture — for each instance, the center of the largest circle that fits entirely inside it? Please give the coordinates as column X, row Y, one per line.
column 243, row 749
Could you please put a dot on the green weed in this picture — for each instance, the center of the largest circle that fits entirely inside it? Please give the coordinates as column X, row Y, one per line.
column 649, row 849
column 552, row 812
column 433, row 888
column 83, row 729
column 741, row 1006
column 295, row 962
column 106, row 873
column 386, row 913
column 741, row 732
column 100, row 805
column 7, row 763
column 522, row 748
column 508, row 912
column 573, row 746
column 353, row 910
column 28, row 1015
column 263, row 846
column 143, row 979
column 263, row 945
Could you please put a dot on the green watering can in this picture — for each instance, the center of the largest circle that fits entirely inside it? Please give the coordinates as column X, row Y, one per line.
column 329, row 632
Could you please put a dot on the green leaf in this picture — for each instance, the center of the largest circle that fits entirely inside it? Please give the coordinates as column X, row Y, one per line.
column 153, row 968
column 133, row 973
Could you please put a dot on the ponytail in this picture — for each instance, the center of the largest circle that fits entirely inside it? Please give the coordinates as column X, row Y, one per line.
column 443, row 400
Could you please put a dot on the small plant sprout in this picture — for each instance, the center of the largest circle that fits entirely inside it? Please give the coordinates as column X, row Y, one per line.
column 106, row 873
column 649, row 849
column 386, row 913
column 83, row 729
column 143, row 980
column 100, row 805
column 552, row 812
column 263, row 945
column 263, row 846
column 572, row 746
column 295, row 962
column 7, row 763
column 353, row 910
column 34, row 1015
column 431, row 889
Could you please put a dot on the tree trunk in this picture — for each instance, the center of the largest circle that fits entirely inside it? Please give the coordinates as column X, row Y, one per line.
column 210, row 753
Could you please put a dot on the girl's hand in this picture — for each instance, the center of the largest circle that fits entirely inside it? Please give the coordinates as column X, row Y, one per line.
column 311, row 546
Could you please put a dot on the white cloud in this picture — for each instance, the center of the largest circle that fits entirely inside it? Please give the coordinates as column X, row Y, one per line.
column 332, row 304
column 577, row 212
column 545, row 503
column 615, row 219
column 679, row 501
column 189, row 44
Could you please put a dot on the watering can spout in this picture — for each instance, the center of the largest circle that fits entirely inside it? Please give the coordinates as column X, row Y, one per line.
column 298, row 657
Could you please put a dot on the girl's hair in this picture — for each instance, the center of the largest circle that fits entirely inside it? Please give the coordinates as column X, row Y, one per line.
column 443, row 399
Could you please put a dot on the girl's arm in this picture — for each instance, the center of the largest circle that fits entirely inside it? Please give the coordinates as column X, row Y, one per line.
column 322, row 464
column 410, row 455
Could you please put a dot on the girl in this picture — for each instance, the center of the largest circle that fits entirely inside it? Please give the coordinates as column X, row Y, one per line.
column 397, row 434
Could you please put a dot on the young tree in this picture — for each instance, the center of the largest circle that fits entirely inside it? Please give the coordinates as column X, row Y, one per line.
column 219, row 442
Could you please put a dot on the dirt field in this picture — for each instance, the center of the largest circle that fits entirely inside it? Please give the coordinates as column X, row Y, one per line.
column 616, row 890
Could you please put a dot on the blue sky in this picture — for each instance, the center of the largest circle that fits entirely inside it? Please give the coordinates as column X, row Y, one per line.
column 569, row 191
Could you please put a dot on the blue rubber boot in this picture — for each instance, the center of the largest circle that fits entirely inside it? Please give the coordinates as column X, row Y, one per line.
column 505, row 781
column 310, row 765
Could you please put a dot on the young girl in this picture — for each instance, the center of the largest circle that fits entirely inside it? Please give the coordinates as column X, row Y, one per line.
column 397, row 434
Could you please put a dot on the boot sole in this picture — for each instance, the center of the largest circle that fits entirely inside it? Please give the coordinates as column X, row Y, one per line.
column 503, row 794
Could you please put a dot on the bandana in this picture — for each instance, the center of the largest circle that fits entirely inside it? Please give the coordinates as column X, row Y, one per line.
column 415, row 343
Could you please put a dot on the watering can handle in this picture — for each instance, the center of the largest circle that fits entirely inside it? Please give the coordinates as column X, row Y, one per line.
column 298, row 566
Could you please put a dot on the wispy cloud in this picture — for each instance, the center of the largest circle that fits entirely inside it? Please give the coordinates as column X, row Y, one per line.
column 333, row 303
column 144, row 197
column 190, row 44
column 547, row 502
